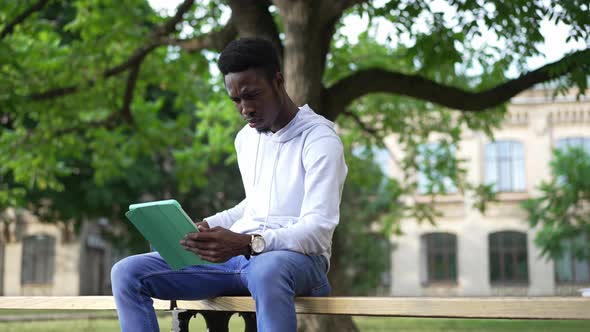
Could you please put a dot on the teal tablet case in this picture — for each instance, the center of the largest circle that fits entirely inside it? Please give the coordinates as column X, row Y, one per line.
column 164, row 224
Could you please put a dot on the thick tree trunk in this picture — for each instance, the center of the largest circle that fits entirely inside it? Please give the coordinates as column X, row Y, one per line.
column 307, row 38
column 303, row 61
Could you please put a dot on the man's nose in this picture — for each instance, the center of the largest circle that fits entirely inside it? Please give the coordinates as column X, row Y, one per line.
column 247, row 111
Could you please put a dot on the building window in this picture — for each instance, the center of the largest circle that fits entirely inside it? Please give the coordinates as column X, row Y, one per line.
column 504, row 166
column 38, row 259
column 433, row 159
column 508, row 258
column 381, row 157
column 568, row 267
column 441, row 257
column 583, row 142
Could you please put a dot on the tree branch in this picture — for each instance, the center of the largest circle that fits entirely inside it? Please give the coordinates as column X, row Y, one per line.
column 108, row 123
column 57, row 92
column 170, row 25
column 134, row 60
column 379, row 80
column 371, row 131
column 20, row 18
column 128, row 98
column 154, row 40
column 252, row 19
column 341, row 6
column 215, row 40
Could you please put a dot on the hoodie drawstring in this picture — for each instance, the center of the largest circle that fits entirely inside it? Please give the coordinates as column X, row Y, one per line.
column 256, row 162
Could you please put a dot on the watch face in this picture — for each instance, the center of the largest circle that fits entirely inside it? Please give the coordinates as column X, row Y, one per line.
column 258, row 244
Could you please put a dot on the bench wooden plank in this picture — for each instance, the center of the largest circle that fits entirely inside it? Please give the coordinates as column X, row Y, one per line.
column 67, row 302
column 456, row 307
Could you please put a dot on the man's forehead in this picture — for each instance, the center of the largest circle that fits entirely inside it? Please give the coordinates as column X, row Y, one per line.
column 243, row 81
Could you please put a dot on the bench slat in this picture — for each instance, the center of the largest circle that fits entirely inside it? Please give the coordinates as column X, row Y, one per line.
column 465, row 307
column 459, row 307
column 67, row 302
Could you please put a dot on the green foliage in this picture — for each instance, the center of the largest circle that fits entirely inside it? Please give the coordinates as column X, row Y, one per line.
column 561, row 211
column 79, row 156
column 414, row 123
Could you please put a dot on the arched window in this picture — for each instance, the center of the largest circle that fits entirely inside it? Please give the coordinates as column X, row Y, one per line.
column 441, row 257
column 504, row 165
column 508, row 257
column 38, row 259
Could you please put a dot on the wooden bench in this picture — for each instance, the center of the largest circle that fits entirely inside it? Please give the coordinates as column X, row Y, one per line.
column 217, row 311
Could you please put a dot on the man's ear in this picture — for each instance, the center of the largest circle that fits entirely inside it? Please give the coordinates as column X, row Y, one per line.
column 279, row 81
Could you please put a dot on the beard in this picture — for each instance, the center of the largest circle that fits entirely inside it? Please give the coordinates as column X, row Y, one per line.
column 263, row 130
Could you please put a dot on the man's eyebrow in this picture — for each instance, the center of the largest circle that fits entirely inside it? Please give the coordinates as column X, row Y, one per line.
column 245, row 92
column 248, row 91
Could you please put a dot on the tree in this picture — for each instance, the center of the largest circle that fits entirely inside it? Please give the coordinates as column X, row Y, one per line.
column 561, row 210
column 94, row 90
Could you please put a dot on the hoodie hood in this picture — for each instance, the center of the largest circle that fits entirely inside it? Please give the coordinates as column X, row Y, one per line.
column 305, row 119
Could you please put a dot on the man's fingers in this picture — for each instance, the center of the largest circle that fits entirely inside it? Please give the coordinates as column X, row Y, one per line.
column 202, row 224
column 206, row 253
column 199, row 244
column 211, row 255
column 191, row 236
column 200, row 236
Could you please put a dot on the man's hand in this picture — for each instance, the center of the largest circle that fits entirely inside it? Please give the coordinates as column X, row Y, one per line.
column 216, row 244
column 202, row 225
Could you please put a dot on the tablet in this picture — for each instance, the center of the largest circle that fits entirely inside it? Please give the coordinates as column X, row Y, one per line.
column 163, row 224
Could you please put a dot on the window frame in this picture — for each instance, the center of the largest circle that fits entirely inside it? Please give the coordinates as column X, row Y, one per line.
column 447, row 249
column 513, row 251
column 573, row 266
column 500, row 160
column 38, row 248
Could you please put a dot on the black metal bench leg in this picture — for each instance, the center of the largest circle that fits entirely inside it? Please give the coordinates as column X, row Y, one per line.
column 217, row 321
column 181, row 318
column 250, row 321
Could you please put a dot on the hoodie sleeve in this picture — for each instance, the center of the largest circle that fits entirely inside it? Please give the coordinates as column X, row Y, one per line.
column 325, row 172
column 228, row 217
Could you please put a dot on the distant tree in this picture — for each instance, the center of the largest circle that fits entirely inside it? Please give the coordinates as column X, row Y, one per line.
column 562, row 209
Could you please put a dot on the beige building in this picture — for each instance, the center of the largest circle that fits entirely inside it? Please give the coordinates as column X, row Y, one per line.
column 470, row 254
column 51, row 259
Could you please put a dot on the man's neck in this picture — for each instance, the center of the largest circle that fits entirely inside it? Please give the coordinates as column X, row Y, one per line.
column 285, row 117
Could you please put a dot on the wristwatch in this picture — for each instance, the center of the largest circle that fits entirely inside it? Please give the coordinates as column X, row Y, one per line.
column 257, row 244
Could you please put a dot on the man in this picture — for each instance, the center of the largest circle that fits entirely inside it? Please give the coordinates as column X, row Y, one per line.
column 275, row 244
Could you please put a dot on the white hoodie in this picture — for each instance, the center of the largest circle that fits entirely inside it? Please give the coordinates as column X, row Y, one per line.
column 293, row 181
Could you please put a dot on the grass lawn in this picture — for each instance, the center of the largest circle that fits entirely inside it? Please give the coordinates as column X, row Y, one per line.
column 365, row 324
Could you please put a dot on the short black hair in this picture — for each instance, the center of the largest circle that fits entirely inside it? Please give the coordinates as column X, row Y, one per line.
column 249, row 53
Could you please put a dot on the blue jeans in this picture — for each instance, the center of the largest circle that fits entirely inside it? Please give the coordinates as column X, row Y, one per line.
column 273, row 279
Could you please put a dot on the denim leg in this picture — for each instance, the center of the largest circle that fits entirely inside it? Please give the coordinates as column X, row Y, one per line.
column 275, row 278
column 136, row 279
